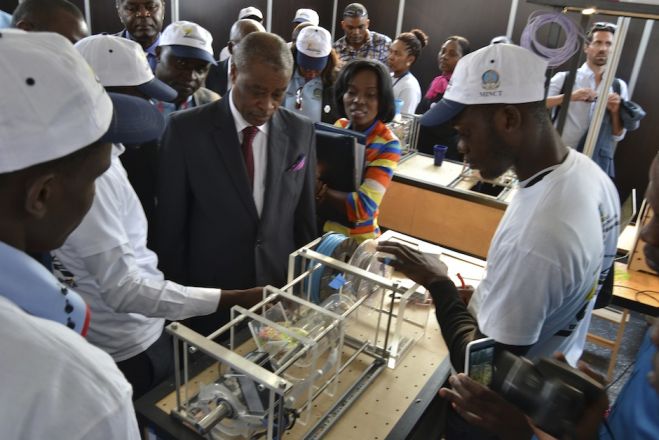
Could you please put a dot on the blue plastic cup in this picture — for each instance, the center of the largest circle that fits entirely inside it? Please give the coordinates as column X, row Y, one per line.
column 440, row 152
column 398, row 103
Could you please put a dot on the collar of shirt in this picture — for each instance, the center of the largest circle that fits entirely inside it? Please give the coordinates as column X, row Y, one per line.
column 30, row 286
column 166, row 108
column 586, row 70
column 366, row 45
column 150, row 51
column 240, row 122
column 118, row 150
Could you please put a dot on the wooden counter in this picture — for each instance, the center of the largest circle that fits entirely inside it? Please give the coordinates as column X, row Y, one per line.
column 420, row 203
column 634, row 290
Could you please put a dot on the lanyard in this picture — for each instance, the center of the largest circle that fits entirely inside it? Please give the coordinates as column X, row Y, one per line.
column 401, row 77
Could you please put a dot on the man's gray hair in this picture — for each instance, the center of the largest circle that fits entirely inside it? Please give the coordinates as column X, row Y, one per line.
column 263, row 47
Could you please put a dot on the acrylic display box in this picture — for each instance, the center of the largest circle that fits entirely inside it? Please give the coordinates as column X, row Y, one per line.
column 292, row 364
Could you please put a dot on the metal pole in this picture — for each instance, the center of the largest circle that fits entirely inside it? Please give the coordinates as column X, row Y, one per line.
column 334, row 14
column 175, row 10
column 511, row 19
column 88, row 15
column 605, row 85
column 268, row 26
column 640, row 54
column 399, row 20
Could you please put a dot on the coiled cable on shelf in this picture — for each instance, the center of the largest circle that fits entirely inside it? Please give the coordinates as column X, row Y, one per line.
column 554, row 56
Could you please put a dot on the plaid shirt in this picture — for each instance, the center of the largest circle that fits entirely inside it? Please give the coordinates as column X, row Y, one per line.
column 375, row 48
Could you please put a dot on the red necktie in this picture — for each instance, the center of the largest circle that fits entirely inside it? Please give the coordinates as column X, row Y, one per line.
column 248, row 153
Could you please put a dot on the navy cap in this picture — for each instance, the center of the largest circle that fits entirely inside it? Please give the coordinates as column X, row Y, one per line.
column 134, row 121
column 442, row 112
column 157, row 89
column 192, row 52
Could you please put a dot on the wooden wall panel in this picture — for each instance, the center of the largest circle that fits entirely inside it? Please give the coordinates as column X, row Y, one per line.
column 439, row 218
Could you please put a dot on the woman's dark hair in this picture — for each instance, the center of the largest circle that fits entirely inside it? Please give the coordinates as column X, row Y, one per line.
column 462, row 42
column 386, row 109
column 414, row 41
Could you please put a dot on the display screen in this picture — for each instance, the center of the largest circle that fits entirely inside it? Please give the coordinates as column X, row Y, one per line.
column 480, row 364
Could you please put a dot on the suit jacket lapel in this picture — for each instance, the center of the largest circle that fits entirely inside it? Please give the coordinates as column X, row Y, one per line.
column 277, row 153
column 226, row 141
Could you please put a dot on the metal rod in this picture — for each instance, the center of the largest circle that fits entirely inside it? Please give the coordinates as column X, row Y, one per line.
column 175, row 10
column 605, row 85
column 640, row 54
column 186, row 377
column 399, row 19
column 511, row 19
column 615, row 13
column 343, row 367
column 88, row 15
column 334, row 15
column 269, row 21
column 177, row 371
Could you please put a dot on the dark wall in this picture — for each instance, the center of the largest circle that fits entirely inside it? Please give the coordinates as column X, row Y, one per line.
column 477, row 20
column 441, row 19
column 10, row 5
column 284, row 12
column 217, row 16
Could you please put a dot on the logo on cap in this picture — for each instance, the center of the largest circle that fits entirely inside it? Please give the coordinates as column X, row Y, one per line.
column 490, row 80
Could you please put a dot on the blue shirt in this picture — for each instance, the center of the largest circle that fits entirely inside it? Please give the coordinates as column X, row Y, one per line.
column 5, row 20
column 635, row 414
column 305, row 97
column 29, row 285
column 149, row 51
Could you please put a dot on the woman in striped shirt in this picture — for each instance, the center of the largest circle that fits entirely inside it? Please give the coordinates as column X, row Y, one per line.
column 365, row 99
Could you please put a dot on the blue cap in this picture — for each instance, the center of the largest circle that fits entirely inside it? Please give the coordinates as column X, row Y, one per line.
column 134, row 121
column 442, row 112
column 192, row 52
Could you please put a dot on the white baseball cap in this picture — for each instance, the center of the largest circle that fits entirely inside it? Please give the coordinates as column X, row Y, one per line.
column 122, row 62
column 188, row 40
column 53, row 105
column 306, row 16
column 250, row 12
column 495, row 74
column 313, row 45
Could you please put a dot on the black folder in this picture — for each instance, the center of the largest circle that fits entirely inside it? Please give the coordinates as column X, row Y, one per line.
column 340, row 156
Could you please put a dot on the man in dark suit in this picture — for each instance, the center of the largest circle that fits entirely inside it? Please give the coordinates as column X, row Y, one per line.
column 236, row 179
column 142, row 20
column 218, row 75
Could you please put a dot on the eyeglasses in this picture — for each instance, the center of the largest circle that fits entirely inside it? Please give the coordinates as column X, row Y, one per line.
column 298, row 99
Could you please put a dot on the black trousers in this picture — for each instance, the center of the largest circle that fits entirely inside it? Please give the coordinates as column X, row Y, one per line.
column 151, row 367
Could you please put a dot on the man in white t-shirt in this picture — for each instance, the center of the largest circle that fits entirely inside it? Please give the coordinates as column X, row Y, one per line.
column 55, row 385
column 557, row 240
column 107, row 255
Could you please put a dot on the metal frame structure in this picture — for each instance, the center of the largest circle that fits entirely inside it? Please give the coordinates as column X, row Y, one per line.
column 286, row 390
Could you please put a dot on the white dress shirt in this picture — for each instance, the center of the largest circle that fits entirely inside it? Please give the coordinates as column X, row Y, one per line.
column 580, row 113
column 117, row 274
column 260, row 149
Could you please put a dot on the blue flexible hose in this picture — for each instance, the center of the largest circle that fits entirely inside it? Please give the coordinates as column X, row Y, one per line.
column 326, row 247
